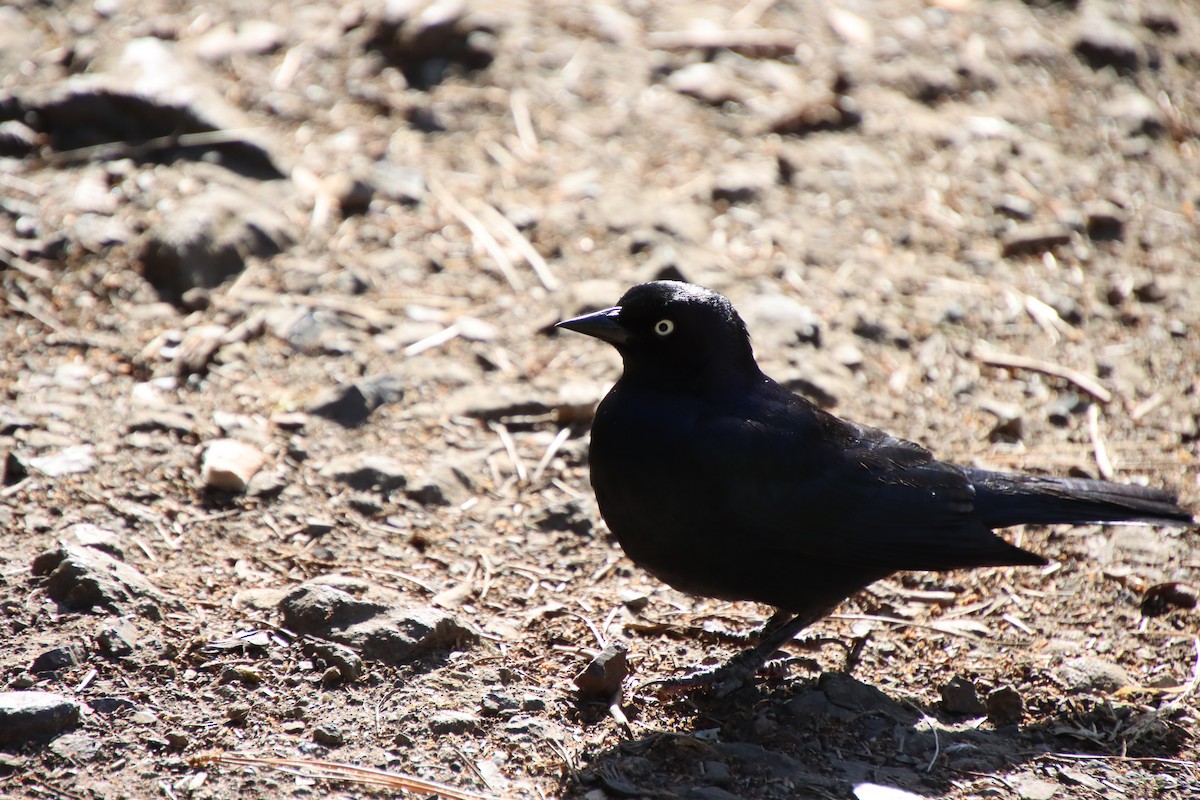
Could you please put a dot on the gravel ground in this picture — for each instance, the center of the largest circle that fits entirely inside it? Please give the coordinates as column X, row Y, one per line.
column 294, row 464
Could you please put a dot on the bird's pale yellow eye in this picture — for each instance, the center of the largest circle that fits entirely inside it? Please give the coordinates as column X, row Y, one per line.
column 664, row 327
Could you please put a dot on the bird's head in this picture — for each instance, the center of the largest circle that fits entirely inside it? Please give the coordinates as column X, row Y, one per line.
column 675, row 334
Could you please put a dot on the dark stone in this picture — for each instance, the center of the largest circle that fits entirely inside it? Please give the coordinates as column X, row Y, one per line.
column 29, row 716
column 367, row 472
column 846, row 692
column 1101, row 42
column 1005, row 706
column 959, row 697
column 350, row 405
column 1033, row 239
column 379, row 631
column 56, row 659
column 208, row 239
column 1091, row 674
column 452, row 722
column 82, row 577
column 1165, row 597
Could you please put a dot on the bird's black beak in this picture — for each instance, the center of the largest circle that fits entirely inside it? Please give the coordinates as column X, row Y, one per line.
column 601, row 324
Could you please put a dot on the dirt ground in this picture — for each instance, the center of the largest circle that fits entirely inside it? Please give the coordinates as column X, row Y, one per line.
column 339, row 234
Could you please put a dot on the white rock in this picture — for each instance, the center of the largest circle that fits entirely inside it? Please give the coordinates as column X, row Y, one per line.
column 230, row 464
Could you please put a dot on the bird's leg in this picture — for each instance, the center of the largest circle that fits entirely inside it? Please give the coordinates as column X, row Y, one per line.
column 736, row 671
column 779, row 618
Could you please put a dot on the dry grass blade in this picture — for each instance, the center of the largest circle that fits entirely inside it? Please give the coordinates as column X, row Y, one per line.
column 1103, row 463
column 335, row 771
column 764, row 40
column 509, row 231
column 479, row 231
column 559, row 438
column 966, row 628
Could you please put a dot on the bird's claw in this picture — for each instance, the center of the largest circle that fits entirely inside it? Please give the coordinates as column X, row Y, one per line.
column 719, row 682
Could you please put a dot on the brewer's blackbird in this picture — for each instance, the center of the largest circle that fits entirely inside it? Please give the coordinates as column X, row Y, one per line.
column 721, row 482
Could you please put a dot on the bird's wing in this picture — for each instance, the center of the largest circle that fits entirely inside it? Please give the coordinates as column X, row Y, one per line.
column 825, row 488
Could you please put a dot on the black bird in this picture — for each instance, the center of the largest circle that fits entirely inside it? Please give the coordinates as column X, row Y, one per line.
column 722, row 483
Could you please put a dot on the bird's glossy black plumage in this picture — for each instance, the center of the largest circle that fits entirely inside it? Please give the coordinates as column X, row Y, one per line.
column 720, row 482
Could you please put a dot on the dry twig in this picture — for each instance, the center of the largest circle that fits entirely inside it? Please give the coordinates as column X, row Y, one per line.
column 1087, row 383
column 335, row 771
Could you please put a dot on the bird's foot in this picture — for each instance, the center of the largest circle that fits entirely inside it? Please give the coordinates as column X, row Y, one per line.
column 719, row 682
column 733, row 674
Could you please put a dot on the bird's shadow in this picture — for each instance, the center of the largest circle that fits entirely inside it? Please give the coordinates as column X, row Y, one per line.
column 821, row 737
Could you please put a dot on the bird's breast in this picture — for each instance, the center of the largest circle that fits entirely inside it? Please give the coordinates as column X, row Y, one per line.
column 644, row 470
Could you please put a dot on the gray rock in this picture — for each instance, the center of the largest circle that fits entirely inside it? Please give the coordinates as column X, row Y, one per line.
column 400, row 183
column 845, row 692
column 494, row 703
column 1015, row 206
column 1160, row 18
column 784, row 321
column 381, row 632
column 73, row 460
column 1135, row 113
column 716, row 773
column 16, row 138
column 497, row 402
column 565, row 515
column 85, row 534
column 603, row 676
column 57, row 658
column 710, row 793
column 450, row 480
column 755, row 757
column 1090, row 674
column 229, row 464
column 150, row 91
column 26, row 716
column 329, row 735
column 707, row 82
column 1104, row 221
column 533, row 702
column 1035, row 789
column 116, row 640
column 81, row 578
column 350, row 405
column 744, row 183
column 1101, row 42
column 367, row 472
column 452, row 722
column 200, row 343
column 162, row 421
column 826, row 389
column 1033, row 239
column 76, row 747
column 254, row 37
column 1010, row 420
column 207, row 239
column 427, row 39
column 11, row 422
column 815, row 705
column 111, row 705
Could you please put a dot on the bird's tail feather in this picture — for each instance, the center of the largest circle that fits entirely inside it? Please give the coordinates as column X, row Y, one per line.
column 1006, row 499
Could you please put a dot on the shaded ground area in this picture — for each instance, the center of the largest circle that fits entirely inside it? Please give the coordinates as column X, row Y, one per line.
column 294, row 464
